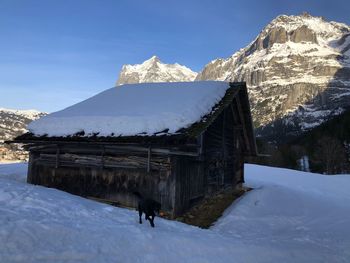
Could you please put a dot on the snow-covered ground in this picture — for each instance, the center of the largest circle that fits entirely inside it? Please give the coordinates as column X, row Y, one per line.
column 291, row 216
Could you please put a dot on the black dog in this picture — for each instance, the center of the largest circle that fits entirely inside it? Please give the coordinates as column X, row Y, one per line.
column 149, row 207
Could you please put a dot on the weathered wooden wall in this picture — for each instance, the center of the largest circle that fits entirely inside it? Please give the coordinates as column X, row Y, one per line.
column 190, row 181
column 222, row 146
column 220, row 164
column 108, row 177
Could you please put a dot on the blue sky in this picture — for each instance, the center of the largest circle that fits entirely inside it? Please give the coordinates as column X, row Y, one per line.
column 56, row 53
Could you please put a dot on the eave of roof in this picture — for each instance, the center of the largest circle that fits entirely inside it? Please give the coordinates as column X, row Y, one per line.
column 197, row 128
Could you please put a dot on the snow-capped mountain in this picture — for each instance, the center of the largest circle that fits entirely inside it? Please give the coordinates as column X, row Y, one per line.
column 153, row 70
column 297, row 71
column 12, row 124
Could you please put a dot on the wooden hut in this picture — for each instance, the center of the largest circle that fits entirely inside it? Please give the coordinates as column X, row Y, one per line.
column 175, row 165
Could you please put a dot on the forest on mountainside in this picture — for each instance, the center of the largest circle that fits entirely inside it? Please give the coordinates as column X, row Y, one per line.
column 327, row 148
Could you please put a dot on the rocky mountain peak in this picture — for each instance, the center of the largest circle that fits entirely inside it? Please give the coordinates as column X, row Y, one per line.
column 297, row 29
column 152, row 62
column 153, row 59
column 153, row 70
column 296, row 71
column 306, row 14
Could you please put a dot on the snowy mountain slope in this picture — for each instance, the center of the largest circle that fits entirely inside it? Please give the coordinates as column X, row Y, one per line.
column 12, row 124
column 153, row 70
column 290, row 217
column 297, row 71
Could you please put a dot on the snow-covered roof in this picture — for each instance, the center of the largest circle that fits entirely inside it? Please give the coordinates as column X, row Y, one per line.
column 135, row 109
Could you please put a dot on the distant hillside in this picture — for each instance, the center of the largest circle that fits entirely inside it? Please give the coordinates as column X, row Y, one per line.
column 338, row 127
column 327, row 148
column 12, row 124
column 328, row 145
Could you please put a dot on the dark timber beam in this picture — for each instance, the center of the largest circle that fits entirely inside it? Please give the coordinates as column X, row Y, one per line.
column 38, row 145
column 103, row 156
column 33, row 144
column 154, row 150
column 242, row 121
column 224, row 146
column 57, row 157
column 238, row 127
column 149, row 160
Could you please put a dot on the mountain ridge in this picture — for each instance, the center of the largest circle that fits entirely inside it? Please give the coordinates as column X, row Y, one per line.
column 153, row 70
column 296, row 72
column 13, row 123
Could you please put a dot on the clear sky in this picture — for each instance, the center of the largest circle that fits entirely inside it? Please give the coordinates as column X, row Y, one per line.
column 54, row 53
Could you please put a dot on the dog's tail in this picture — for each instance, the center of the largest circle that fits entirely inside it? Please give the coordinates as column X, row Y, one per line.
column 137, row 194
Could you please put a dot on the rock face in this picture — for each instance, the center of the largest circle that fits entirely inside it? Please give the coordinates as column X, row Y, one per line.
column 12, row 124
column 297, row 72
column 153, row 70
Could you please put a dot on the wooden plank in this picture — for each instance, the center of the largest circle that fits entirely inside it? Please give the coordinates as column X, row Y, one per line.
column 57, row 157
column 149, row 159
column 30, row 172
column 223, row 148
column 102, row 157
column 155, row 163
column 41, row 147
column 242, row 122
column 154, row 150
column 126, row 149
column 99, row 143
column 200, row 141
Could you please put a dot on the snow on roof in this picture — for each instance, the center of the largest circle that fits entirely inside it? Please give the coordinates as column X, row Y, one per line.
column 133, row 109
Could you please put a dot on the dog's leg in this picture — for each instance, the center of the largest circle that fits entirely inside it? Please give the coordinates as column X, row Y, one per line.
column 151, row 220
column 140, row 215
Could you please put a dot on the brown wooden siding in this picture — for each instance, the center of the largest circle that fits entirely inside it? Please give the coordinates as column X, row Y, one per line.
column 83, row 175
column 190, row 182
column 223, row 158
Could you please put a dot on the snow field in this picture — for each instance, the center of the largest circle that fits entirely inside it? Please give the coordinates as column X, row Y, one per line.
column 291, row 216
